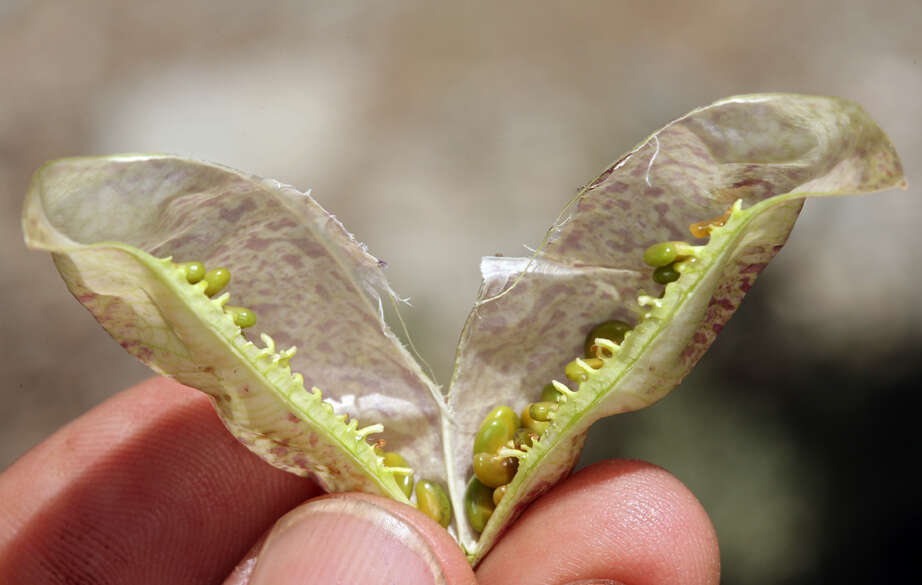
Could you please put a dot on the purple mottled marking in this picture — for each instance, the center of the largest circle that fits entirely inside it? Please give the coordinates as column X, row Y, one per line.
column 233, row 214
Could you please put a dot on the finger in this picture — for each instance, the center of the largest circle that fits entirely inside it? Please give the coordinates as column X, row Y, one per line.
column 627, row 521
column 355, row 538
column 148, row 487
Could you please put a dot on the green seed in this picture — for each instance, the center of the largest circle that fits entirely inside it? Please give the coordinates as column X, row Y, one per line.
column 432, row 501
column 550, row 394
column 666, row 274
column 496, row 430
column 478, row 504
column 542, row 411
column 576, row 373
column 217, row 279
column 536, row 426
column 503, row 413
column 493, row 470
column 663, row 253
column 392, row 459
column 242, row 317
column 498, row 494
column 195, row 271
column 613, row 330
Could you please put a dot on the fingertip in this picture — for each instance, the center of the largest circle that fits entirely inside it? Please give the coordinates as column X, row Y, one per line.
column 358, row 538
column 625, row 520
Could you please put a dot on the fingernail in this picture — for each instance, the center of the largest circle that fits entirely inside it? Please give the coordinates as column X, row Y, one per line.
column 595, row 582
column 344, row 540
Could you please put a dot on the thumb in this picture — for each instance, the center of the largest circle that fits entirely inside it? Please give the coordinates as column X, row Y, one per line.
column 354, row 538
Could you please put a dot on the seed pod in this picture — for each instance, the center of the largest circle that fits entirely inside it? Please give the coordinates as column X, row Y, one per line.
column 498, row 494
column 538, row 427
column 666, row 274
column 550, row 394
column 542, row 411
column 405, row 481
column 432, row 501
column 613, row 330
column 217, row 279
column 478, row 504
column 666, row 253
column 576, row 373
column 242, row 317
column 493, row 470
column 496, row 430
column 195, row 271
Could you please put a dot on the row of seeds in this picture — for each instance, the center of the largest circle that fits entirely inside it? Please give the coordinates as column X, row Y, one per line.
column 431, row 497
column 503, row 432
column 215, row 281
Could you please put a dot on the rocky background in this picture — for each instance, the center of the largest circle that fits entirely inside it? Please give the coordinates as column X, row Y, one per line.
column 442, row 132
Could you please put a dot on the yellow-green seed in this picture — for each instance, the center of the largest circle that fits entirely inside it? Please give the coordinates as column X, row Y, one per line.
column 542, row 411
column 503, row 413
column 243, row 317
column 496, row 430
column 536, row 426
column 432, row 501
column 195, row 271
column 613, row 330
column 666, row 274
column 478, row 504
column 405, row 481
column 494, row 470
column 662, row 253
column 498, row 494
column 576, row 373
column 550, row 394
column 217, row 279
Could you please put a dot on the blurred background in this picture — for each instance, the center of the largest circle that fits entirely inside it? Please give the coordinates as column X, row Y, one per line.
column 439, row 133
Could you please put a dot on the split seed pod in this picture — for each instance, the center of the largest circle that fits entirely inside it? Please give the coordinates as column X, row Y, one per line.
column 763, row 153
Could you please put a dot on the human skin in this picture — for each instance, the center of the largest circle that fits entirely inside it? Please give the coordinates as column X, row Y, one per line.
column 150, row 488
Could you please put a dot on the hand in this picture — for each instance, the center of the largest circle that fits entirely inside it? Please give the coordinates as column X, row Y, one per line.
column 150, row 488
